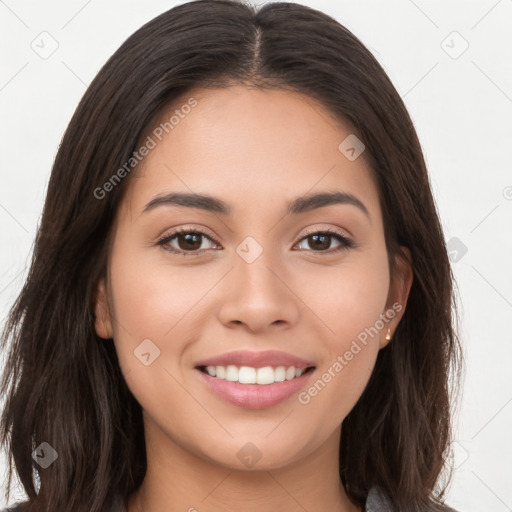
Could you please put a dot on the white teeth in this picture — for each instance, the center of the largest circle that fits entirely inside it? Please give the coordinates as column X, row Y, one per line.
column 249, row 375
column 280, row 374
column 265, row 375
column 231, row 373
column 290, row 373
column 220, row 372
column 246, row 375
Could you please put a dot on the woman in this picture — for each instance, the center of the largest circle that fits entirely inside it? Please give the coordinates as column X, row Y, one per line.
column 240, row 295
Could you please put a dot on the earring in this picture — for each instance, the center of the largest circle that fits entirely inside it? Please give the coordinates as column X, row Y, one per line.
column 388, row 335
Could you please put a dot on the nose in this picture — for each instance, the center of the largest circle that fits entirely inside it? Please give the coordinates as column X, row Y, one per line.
column 258, row 296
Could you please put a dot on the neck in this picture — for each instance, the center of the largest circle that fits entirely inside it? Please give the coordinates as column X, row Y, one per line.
column 179, row 480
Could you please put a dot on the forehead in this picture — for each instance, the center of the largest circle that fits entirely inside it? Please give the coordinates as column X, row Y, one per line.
column 249, row 145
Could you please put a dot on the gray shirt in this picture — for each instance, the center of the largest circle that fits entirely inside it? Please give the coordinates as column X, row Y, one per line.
column 377, row 502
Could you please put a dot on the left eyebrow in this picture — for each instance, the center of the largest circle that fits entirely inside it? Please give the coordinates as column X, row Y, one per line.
column 299, row 205
column 310, row 202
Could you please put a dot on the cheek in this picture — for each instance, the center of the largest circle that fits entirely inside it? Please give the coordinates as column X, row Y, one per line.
column 152, row 312
column 349, row 298
column 349, row 301
column 151, row 298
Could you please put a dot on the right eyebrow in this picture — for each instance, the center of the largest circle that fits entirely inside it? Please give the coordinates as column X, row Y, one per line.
column 190, row 200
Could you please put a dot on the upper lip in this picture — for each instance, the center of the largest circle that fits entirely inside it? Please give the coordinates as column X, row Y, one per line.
column 256, row 359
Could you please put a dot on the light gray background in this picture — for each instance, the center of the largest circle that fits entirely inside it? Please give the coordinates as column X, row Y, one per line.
column 460, row 102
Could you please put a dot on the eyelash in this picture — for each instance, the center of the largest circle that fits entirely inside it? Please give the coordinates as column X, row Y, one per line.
column 345, row 243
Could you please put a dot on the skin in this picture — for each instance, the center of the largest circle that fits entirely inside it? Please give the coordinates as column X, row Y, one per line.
column 256, row 150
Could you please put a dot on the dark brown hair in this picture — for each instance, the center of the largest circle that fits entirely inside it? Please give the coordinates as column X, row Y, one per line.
column 63, row 384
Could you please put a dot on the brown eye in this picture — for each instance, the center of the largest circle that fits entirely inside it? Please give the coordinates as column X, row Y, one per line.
column 321, row 241
column 187, row 242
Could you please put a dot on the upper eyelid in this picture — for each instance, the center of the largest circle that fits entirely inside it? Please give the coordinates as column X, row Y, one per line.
column 184, row 231
column 330, row 230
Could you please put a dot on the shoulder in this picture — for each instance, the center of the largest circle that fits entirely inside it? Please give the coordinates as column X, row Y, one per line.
column 377, row 501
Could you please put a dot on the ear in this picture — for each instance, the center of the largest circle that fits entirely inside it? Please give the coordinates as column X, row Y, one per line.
column 399, row 289
column 103, row 323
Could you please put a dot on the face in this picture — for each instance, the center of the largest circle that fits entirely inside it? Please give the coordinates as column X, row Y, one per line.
column 296, row 291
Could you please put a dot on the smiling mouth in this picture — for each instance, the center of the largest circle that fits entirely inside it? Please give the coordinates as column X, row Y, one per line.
column 249, row 375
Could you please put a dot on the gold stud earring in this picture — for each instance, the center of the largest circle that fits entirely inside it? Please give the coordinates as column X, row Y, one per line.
column 388, row 335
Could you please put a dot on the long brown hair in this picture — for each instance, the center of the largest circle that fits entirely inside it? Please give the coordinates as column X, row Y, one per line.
column 62, row 383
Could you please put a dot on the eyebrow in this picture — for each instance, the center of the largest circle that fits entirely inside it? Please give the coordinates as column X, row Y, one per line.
column 299, row 205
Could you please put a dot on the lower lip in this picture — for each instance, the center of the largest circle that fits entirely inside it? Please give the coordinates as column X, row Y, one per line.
column 255, row 396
